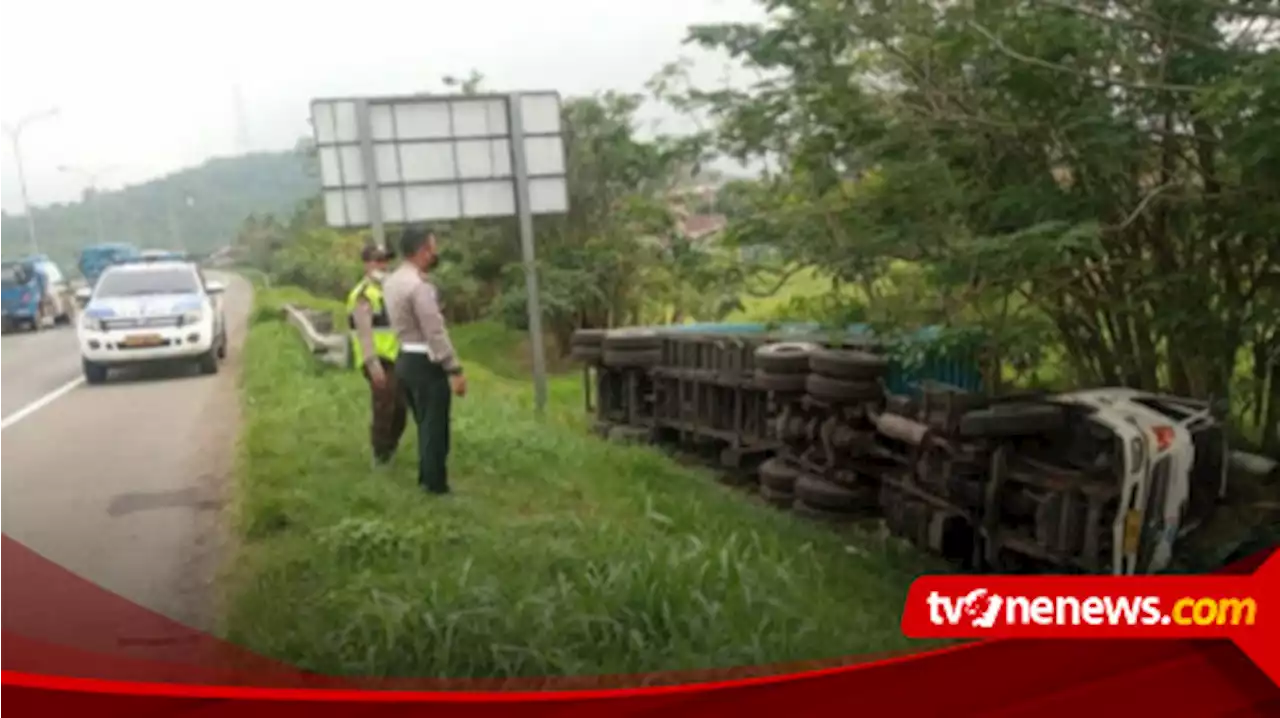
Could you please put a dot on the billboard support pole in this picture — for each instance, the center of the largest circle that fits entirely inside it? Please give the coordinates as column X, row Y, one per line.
column 373, row 198
column 520, row 168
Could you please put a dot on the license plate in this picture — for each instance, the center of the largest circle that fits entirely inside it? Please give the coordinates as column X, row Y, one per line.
column 143, row 340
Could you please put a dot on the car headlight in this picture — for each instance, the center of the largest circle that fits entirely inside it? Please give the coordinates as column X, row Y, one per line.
column 192, row 317
column 91, row 323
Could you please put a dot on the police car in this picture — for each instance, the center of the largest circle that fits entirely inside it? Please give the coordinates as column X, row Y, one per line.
column 159, row 311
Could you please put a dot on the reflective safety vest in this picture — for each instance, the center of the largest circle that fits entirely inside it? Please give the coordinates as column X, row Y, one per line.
column 385, row 342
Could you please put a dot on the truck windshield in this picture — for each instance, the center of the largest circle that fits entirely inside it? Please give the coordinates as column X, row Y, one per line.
column 176, row 280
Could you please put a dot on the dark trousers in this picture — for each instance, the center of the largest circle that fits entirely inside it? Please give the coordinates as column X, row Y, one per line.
column 389, row 413
column 429, row 396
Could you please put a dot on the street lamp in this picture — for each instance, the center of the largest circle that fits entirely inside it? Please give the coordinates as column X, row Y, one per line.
column 15, row 136
column 91, row 180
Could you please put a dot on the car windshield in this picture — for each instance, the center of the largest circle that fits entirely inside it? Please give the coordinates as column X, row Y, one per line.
column 175, row 280
column 13, row 275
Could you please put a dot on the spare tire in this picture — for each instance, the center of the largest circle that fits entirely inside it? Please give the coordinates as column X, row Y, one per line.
column 1012, row 420
column 843, row 391
column 847, row 364
column 775, row 474
column 632, row 339
column 785, row 357
column 781, row 382
column 632, row 358
column 822, row 494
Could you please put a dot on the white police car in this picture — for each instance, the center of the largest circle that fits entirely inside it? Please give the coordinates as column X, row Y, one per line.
column 160, row 311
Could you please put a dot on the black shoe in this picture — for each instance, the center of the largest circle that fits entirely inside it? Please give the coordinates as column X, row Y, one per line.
column 437, row 492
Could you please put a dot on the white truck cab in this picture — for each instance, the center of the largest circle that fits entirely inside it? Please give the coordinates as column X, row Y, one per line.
column 1172, row 469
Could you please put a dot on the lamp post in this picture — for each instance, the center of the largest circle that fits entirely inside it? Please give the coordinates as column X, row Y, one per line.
column 91, row 180
column 14, row 132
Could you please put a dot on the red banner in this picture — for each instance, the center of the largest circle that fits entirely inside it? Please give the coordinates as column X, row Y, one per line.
column 70, row 646
column 1244, row 609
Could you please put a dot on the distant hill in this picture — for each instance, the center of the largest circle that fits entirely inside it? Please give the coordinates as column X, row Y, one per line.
column 155, row 214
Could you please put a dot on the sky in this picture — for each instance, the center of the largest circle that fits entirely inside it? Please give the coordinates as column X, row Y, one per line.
column 144, row 88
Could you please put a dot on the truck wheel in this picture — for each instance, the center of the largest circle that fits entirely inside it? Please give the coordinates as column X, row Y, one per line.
column 222, row 347
column 778, row 476
column 842, row 390
column 820, row 494
column 779, row 499
column 785, row 357
column 93, row 373
column 770, row 381
column 847, row 364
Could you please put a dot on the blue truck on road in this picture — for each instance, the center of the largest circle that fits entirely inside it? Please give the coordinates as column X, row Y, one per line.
column 94, row 260
column 34, row 292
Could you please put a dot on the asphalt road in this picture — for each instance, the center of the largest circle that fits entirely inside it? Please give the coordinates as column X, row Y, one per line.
column 122, row 483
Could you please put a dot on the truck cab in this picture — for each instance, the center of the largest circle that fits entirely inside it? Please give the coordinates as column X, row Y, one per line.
column 95, row 260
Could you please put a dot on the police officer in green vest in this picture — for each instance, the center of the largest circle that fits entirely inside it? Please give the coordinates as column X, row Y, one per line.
column 374, row 347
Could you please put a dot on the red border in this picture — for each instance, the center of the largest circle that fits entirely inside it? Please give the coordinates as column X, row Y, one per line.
column 100, row 671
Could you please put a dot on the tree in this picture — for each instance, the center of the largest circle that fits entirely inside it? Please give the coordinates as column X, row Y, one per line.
column 1106, row 171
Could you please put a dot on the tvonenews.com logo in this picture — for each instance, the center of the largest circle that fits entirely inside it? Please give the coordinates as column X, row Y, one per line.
column 980, row 608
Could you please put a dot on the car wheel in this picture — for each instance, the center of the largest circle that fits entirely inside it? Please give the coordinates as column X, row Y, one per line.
column 93, row 373
column 222, row 347
column 209, row 362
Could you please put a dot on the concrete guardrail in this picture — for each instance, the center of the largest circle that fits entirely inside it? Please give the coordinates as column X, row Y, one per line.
column 316, row 329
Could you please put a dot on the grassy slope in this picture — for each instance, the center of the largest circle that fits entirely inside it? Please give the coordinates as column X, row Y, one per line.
column 559, row 554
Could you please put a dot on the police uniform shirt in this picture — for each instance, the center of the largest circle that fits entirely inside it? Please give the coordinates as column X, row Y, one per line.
column 414, row 310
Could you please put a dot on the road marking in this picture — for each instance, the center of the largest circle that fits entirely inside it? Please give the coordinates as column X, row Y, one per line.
column 40, row 403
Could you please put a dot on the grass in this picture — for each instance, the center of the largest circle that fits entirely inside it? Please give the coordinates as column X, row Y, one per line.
column 559, row 554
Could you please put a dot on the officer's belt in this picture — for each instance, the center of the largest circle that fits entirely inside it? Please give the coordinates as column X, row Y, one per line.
column 412, row 348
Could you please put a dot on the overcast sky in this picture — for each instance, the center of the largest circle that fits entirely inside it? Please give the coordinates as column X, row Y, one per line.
column 146, row 87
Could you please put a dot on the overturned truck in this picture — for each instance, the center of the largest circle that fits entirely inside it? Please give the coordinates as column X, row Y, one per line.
column 831, row 428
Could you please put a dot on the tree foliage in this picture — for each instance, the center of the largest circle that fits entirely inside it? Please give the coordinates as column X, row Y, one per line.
column 1098, row 176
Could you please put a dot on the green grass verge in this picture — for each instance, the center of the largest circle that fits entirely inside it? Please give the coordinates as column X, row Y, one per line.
column 559, row 554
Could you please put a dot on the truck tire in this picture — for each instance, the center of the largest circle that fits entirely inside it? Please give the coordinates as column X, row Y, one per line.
column 777, row 476
column 94, row 373
column 780, row 499
column 806, row 510
column 1011, row 420
column 222, row 346
column 843, row 391
column 780, row 382
column 632, row 358
column 821, row 494
column 785, row 357
column 847, row 364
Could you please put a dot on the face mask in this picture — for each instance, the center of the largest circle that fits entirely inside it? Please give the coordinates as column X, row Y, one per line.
column 378, row 275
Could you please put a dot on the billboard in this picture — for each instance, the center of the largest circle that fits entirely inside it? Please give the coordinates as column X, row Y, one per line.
column 438, row 157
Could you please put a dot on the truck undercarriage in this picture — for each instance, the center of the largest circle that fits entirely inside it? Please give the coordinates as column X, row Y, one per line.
column 1010, row 484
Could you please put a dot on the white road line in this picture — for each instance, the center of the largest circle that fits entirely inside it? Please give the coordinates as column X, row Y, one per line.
column 40, row 403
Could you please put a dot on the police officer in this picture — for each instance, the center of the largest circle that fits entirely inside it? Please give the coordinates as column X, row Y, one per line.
column 428, row 367
column 374, row 346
